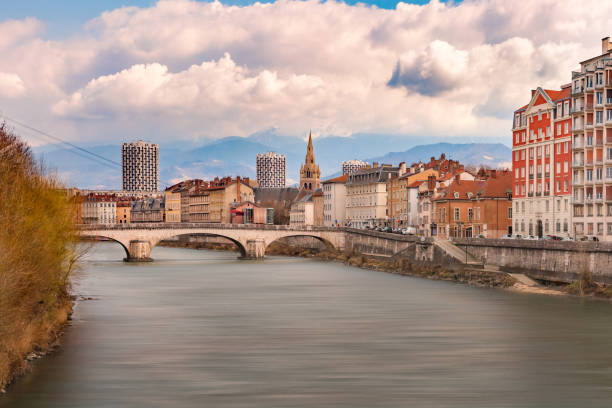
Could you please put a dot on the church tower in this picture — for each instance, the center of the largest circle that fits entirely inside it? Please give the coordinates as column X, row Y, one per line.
column 310, row 175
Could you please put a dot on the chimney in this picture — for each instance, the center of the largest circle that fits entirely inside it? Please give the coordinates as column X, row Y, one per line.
column 238, row 183
column 402, row 168
column 431, row 182
column 493, row 173
column 605, row 45
column 532, row 92
column 458, row 178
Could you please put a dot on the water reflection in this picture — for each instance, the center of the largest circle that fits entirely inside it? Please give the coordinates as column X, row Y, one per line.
column 199, row 328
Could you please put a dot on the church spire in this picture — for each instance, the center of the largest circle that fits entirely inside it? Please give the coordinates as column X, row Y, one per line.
column 310, row 174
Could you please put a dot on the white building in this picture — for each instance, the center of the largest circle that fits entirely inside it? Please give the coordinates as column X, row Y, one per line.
column 412, row 204
column 334, row 201
column 99, row 210
column 591, row 94
column 366, row 196
column 140, row 164
column 302, row 212
column 351, row 166
column 271, row 169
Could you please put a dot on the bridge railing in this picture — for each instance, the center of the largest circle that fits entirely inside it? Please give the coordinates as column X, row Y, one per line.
column 195, row 225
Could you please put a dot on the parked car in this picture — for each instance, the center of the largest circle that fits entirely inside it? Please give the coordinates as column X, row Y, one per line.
column 567, row 239
column 518, row 236
column 409, row 231
column 480, row 236
column 590, row 238
column 387, row 229
column 507, row 236
column 530, row 237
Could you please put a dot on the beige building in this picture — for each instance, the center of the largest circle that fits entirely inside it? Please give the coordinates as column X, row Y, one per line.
column 334, row 201
column 317, row 207
column 211, row 203
column 302, row 211
column 173, row 205
column 366, row 196
column 147, row 210
column 99, row 209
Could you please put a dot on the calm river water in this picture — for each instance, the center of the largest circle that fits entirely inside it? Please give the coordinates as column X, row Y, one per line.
column 202, row 329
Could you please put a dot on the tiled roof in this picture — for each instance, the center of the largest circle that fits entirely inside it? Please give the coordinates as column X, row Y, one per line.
column 494, row 187
column 340, row 179
column 415, row 183
column 558, row 95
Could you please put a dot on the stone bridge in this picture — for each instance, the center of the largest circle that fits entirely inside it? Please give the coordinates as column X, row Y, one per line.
column 252, row 240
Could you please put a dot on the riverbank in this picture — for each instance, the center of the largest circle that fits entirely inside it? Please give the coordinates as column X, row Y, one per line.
column 480, row 278
column 38, row 246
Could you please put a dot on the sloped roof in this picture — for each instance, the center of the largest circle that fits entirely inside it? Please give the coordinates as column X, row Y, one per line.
column 493, row 187
column 341, row 179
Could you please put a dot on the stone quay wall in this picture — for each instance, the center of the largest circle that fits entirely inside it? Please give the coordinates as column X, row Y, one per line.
column 556, row 261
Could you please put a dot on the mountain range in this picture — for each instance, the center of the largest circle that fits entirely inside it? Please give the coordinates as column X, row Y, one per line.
column 236, row 156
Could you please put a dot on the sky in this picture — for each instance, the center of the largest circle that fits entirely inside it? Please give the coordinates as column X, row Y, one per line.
column 183, row 70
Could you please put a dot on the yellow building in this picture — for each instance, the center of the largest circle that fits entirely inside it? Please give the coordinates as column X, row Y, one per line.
column 124, row 209
column 173, row 206
column 212, row 203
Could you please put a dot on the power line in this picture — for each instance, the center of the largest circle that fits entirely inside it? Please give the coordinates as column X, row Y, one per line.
column 62, row 141
column 96, row 158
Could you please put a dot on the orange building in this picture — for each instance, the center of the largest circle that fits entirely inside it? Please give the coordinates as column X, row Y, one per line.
column 123, row 212
column 470, row 208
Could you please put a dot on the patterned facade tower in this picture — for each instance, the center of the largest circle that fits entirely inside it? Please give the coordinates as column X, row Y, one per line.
column 140, row 162
column 310, row 174
column 271, row 169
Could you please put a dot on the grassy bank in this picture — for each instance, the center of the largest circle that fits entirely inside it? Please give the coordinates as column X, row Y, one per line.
column 37, row 254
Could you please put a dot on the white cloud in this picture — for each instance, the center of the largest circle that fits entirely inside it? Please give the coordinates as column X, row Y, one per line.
column 188, row 69
column 11, row 85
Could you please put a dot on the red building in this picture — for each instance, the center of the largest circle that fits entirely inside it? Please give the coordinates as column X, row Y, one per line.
column 541, row 164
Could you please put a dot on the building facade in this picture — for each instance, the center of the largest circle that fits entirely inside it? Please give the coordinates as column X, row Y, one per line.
column 473, row 208
column 148, row 210
column 123, row 212
column 173, row 205
column 334, row 201
column 541, row 164
column 591, row 93
column 310, row 174
column 351, row 166
column 140, row 164
column 366, row 196
column 99, row 209
column 271, row 169
column 302, row 211
column 317, row 207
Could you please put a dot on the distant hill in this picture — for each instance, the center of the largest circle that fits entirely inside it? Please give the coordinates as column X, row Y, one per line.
column 236, row 156
column 477, row 154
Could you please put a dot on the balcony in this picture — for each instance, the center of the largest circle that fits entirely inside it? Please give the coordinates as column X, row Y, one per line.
column 580, row 109
column 578, row 163
column 578, row 200
column 599, row 85
column 577, row 91
column 608, row 160
column 547, row 174
column 538, row 194
column 599, row 143
column 588, row 107
column 599, row 181
column 589, row 88
column 579, row 146
column 577, row 182
column 531, row 177
column 609, row 100
column 539, row 175
column 529, row 194
column 547, row 193
column 589, row 125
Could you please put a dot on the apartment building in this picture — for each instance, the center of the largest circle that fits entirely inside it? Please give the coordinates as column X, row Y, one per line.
column 471, row 208
column 541, row 162
column 591, row 93
column 366, row 195
column 271, row 169
column 351, row 166
column 334, row 201
column 99, row 209
column 123, row 212
column 140, row 165
column 148, row 210
column 210, row 202
column 173, row 205
column 302, row 211
column 317, row 207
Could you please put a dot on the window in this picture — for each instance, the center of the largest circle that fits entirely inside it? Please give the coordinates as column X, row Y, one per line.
column 566, row 147
column 510, row 212
column 457, row 214
column 566, row 166
column 516, row 172
column 531, row 153
column 558, row 167
column 547, row 149
column 523, row 154
column 558, row 129
column 565, row 186
column 470, row 214
column 558, row 145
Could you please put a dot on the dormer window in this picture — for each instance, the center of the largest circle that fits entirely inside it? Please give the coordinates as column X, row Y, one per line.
column 469, row 194
column 456, row 194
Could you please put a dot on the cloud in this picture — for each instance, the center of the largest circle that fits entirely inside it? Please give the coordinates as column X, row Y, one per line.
column 189, row 69
column 11, row 85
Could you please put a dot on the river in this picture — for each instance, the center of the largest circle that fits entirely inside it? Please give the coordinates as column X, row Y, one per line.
column 203, row 329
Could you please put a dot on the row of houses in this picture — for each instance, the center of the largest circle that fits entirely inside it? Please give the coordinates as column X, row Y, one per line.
column 437, row 198
column 225, row 200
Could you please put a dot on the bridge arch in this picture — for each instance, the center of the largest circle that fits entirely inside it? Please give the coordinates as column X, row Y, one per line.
column 300, row 234
column 239, row 245
column 110, row 238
